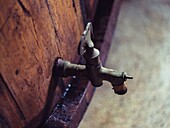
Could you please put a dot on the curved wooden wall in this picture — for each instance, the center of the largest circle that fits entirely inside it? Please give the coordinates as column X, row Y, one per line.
column 32, row 34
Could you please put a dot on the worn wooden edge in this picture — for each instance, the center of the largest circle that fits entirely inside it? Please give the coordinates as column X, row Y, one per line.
column 77, row 101
column 110, row 30
column 91, row 7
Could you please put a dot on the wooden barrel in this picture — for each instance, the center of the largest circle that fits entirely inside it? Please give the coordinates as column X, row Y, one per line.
column 32, row 35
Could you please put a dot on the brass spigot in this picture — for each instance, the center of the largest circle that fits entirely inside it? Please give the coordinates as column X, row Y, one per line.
column 93, row 69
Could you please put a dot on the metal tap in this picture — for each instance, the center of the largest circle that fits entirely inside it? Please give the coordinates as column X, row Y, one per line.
column 93, row 69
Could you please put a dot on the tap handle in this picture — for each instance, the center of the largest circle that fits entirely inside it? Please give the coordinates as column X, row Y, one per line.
column 85, row 40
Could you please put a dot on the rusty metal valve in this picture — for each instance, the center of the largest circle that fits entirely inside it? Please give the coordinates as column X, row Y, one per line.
column 93, row 69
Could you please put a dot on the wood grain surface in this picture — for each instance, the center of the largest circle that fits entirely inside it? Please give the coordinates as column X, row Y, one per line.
column 32, row 34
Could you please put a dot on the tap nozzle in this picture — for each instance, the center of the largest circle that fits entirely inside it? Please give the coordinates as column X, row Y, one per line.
column 122, row 89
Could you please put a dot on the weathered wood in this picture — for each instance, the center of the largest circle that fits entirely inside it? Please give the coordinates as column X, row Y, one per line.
column 9, row 108
column 109, row 33
column 32, row 35
column 91, row 6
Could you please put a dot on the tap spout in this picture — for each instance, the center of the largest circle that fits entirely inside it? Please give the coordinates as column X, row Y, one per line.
column 114, row 77
column 96, row 74
column 117, row 79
